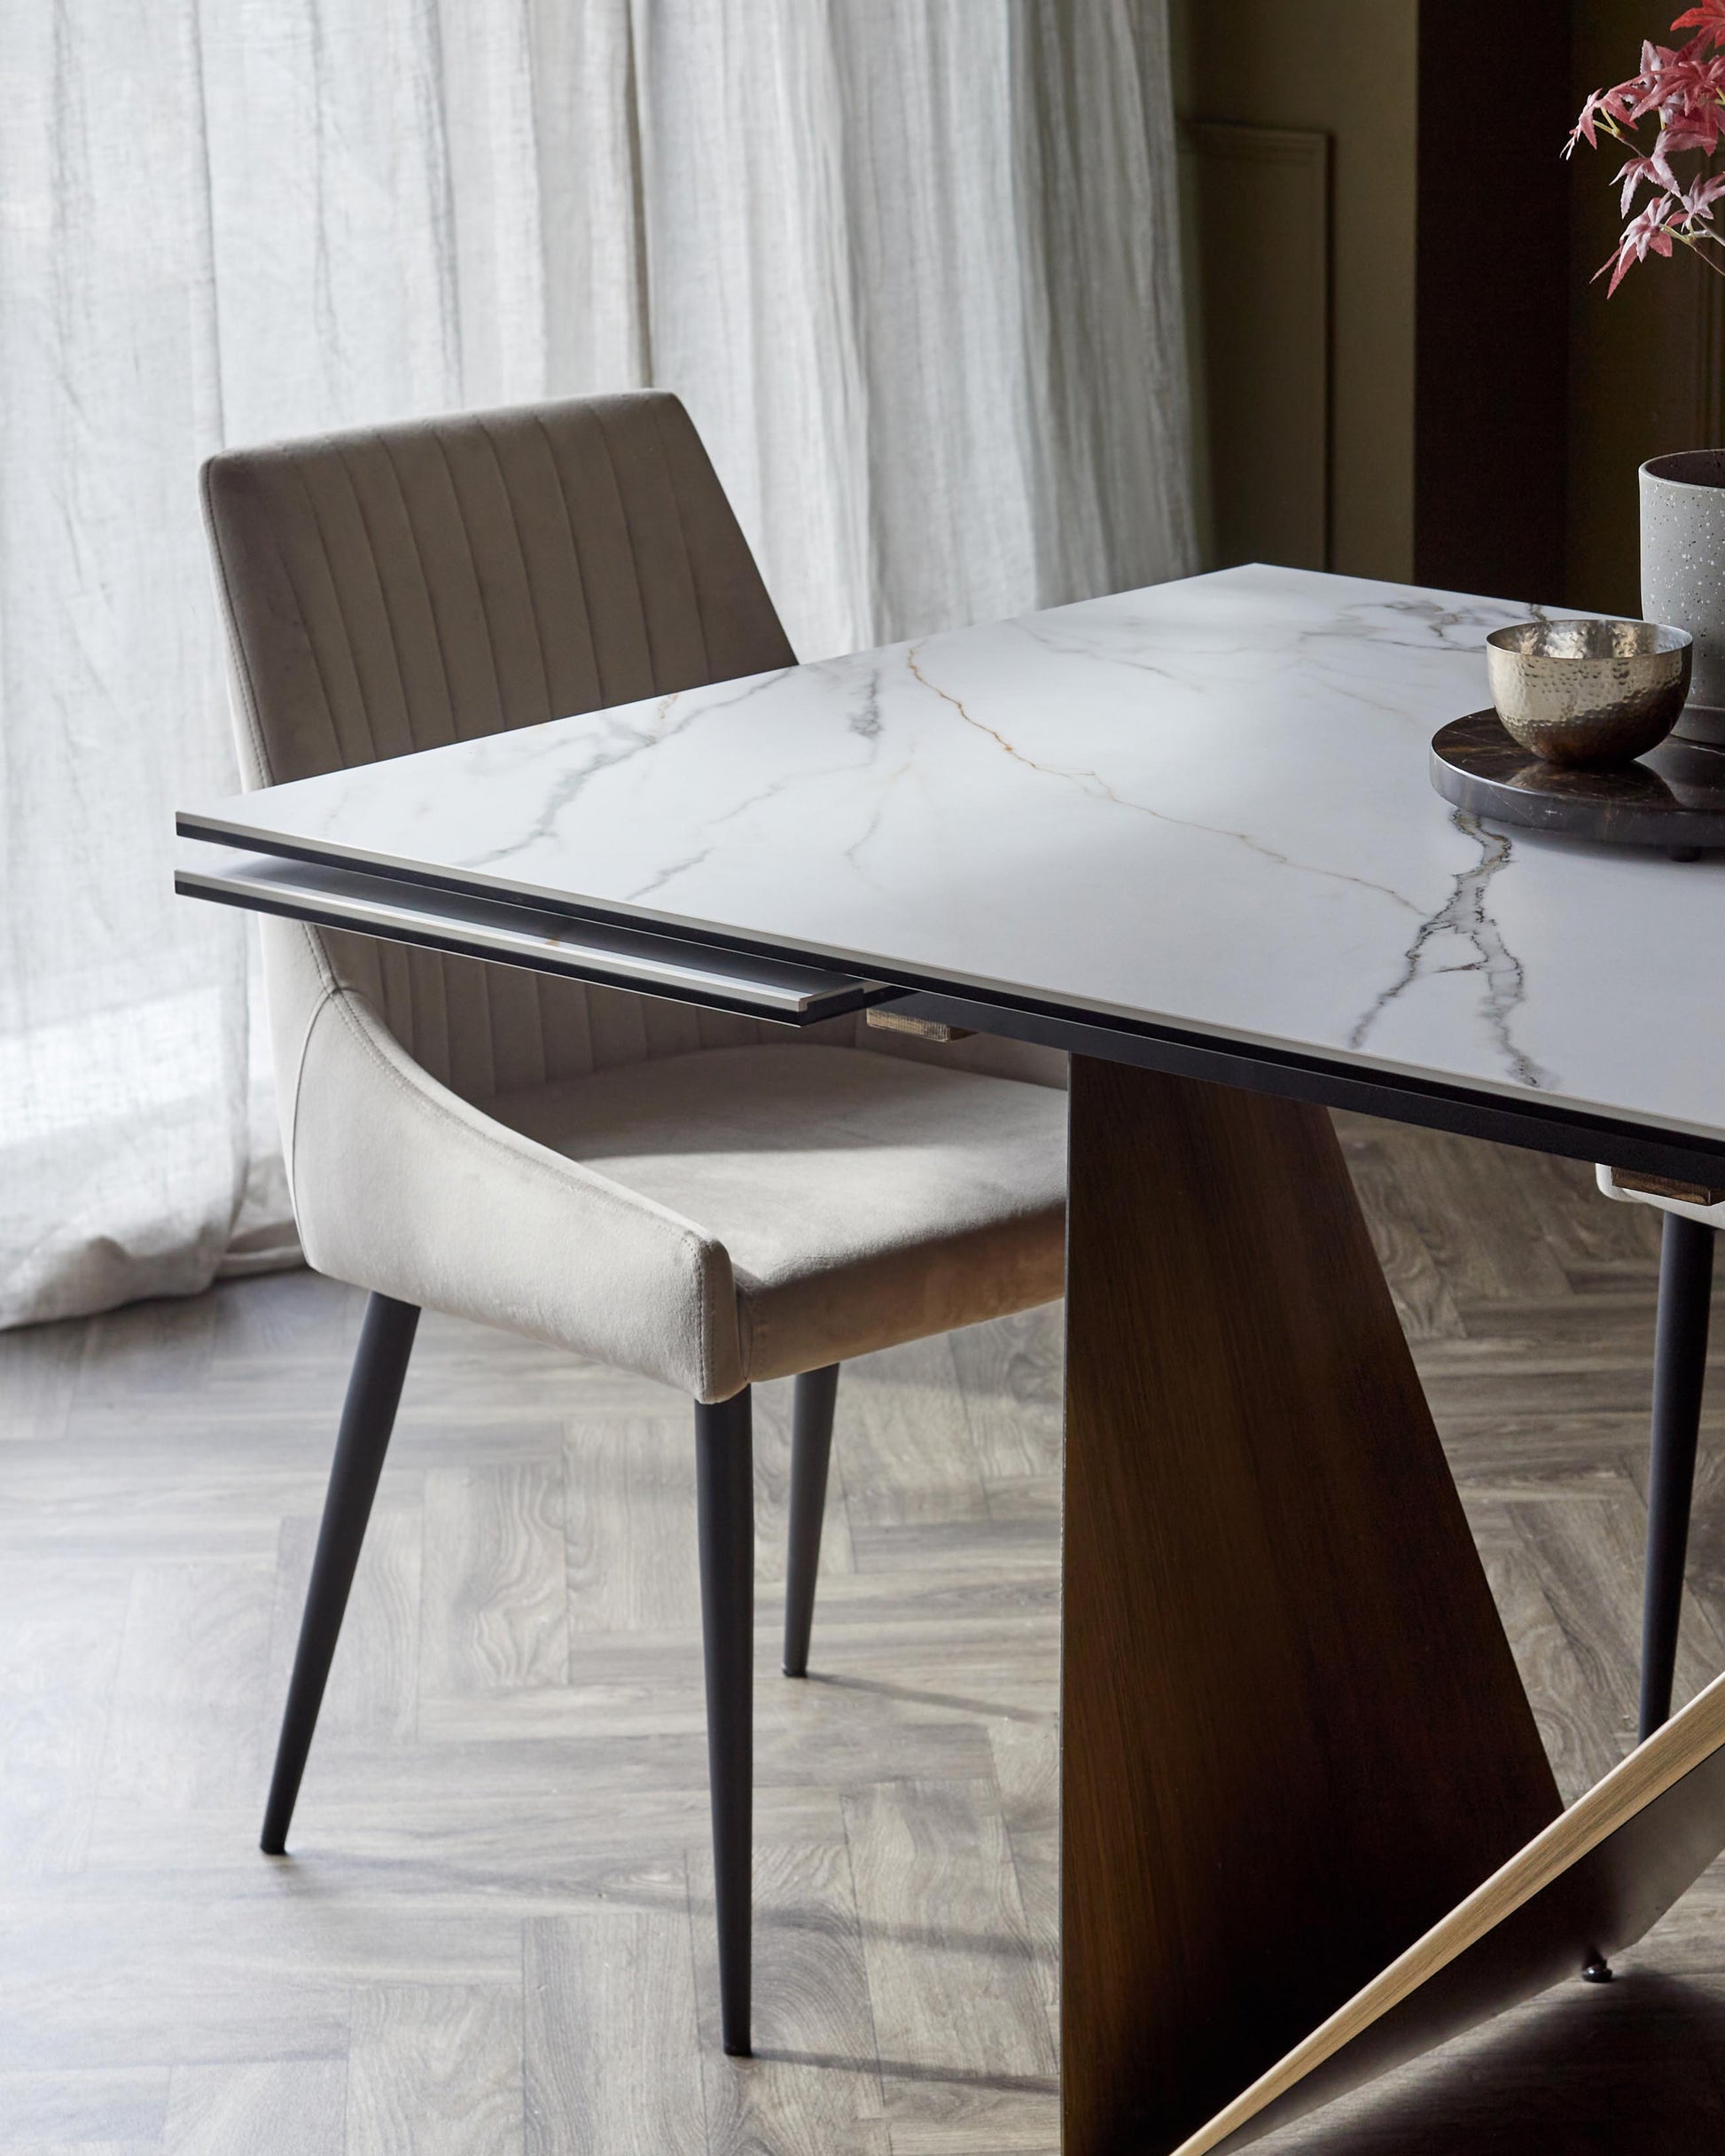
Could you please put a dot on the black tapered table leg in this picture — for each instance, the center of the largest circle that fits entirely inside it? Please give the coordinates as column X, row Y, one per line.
column 724, row 1479
column 367, row 1416
column 1680, row 1370
column 811, row 1450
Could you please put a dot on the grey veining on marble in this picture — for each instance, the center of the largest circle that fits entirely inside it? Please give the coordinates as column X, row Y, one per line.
column 1203, row 804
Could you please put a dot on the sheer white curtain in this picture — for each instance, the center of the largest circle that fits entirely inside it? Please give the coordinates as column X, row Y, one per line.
column 909, row 263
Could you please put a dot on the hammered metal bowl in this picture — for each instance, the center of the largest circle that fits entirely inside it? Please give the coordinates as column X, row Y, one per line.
column 1589, row 692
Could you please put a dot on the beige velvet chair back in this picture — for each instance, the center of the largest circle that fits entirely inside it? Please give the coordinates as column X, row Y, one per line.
column 407, row 586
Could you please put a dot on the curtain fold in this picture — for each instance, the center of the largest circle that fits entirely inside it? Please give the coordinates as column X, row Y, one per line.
column 911, row 263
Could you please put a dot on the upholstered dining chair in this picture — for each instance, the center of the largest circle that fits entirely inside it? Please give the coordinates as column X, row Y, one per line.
column 697, row 1197
column 1693, row 1216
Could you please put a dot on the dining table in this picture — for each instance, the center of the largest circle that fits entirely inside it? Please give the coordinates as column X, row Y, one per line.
column 1188, row 835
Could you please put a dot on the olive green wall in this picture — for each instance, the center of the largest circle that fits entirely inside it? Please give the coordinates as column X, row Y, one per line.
column 1645, row 371
column 1644, row 365
column 1350, row 69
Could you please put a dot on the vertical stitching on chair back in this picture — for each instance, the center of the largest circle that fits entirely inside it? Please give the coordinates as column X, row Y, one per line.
column 509, row 503
column 683, row 534
column 405, row 586
column 487, row 644
column 384, row 608
column 318, row 561
column 584, row 615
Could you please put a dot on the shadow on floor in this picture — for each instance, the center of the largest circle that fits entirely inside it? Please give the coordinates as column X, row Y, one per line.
column 959, row 1703
column 902, row 2070
column 1632, row 2068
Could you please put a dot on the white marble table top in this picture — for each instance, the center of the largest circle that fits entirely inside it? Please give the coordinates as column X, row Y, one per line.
column 1203, row 805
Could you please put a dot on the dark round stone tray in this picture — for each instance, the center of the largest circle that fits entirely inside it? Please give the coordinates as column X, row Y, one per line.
column 1672, row 797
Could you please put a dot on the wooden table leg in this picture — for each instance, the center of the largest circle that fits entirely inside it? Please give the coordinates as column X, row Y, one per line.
column 1292, row 1734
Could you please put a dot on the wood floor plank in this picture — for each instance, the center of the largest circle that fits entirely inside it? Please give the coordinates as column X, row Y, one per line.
column 59, row 1654
column 907, row 1457
column 917, row 1598
column 78, row 2148
column 612, row 2059
column 631, row 1557
column 38, row 1379
column 967, row 2059
column 1587, row 1557
column 124, row 2105
column 1586, row 1232
column 1475, row 1212
column 172, row 1970
column 435, row 2071
column 1423, row 1299
column 1540, row 1458
column 1706, row 1540
column 813, row 2086
column 1577, row 1741
column 186, row 1725
column 1565, row 1331
column 1010, row 1376
column 270, row 2107
column 1027, row 1776
column 146, row 1510
column 282, row 1321
column 494, row 1611
column 157, row 1346
column 952, row 1545
column 635, row 1713
column 772, row 1493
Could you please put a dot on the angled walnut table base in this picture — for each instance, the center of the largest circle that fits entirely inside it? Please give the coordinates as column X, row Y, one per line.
column 1294, row 1737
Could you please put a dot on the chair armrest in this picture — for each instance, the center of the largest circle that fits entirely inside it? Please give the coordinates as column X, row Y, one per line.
column 402, row 1187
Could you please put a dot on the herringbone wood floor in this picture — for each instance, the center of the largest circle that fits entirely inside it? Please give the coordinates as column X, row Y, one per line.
column 494, row 1934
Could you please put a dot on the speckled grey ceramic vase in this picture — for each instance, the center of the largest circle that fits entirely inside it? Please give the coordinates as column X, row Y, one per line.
column 1682, row 573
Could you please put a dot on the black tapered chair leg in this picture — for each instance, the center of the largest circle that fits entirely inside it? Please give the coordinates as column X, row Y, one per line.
column 811, row 1450
column 724, row 1481
column 1679, row 1373
column 367, row 1415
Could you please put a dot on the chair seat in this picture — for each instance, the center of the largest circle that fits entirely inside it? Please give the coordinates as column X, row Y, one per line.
column 863, row 1198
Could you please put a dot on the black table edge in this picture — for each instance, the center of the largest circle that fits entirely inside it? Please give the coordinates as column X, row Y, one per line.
column 1536, row 1125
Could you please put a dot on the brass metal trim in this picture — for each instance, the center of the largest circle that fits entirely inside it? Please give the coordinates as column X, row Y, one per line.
column 919, row 1028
